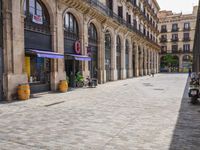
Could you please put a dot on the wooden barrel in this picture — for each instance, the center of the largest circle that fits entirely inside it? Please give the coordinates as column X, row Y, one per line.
column 23, row 91
column 63, row 86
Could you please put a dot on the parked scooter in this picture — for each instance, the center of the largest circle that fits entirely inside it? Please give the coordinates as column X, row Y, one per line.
column 194, row 89
column 91, row 82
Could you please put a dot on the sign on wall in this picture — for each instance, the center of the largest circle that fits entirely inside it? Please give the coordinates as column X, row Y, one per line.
column 77, row 47
column 37, row 19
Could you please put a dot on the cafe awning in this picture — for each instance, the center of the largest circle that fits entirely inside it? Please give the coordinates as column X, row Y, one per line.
column 45, row 54
column 80, row 57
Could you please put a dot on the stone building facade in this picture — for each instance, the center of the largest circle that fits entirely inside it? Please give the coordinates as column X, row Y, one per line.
column 177, row 37
column 45, row 40
column 196, row 46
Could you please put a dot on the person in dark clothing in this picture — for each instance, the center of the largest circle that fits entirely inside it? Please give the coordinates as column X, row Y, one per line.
column 189, row 72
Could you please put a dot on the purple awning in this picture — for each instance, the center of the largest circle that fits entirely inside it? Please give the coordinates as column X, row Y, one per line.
column 80, row 57
column 46, row 54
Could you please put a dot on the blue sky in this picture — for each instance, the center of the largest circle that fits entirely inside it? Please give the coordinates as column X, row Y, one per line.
column 177, row 6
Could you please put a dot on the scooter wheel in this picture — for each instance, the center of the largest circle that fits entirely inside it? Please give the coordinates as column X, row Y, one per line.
column 194, row 100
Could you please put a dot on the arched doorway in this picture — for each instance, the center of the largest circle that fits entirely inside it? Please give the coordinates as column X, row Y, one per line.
column 108, row 56
column 175, row 64
column 38, row 43
column 163, row 66
column 1, row 51
column 127, row 58
column 118, row 47
column 93, row 47
column 186, row 63
column 71, row 40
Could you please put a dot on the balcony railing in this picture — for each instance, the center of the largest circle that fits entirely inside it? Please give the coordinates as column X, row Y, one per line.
column 187, row 51
column 186, row 39
column 163, row 30
column 186, row 29
column 120, row 20
column 174, row 40
column 175, row 29
column 163, row 52
column 163, row 40
column 175, row 51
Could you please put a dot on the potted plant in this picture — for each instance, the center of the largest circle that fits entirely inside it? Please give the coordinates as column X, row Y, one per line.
column 79, row 79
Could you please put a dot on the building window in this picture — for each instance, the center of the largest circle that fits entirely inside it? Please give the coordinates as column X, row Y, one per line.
column 109, row 3
column 71, row 26
column 174, row 27
column 186, row 47
column 118, row 44
column 92, row 33
column 186, row 37
column 174, row 37
column 163, row 48
column 186, row 26
column 164, row 36
column 120, row 11
column 128, row 18
column 163, row 28
column 174, row 48
column 35, row 12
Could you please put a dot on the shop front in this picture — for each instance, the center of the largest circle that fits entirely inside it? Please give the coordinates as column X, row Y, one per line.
column 92, row 51
column 1, row 52
column 73, row 50
column 38, row 46
column 108, row 56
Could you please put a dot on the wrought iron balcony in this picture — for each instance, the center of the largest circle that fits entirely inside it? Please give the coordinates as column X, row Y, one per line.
column 163, row 40
column 187, row 51
column 174, row 40
column 175, row 29
column 186, row 29
column 163, row 52
column 113, row 15
column 186, row 39
column 175, row 51
column 163, row 30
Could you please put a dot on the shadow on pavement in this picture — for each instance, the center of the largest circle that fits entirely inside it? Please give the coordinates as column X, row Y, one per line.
column 186, row 134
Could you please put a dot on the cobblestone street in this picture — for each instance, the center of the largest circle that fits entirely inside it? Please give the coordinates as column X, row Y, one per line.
column 143, row 113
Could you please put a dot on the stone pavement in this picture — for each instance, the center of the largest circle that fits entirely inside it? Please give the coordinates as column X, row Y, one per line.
column 143, row 113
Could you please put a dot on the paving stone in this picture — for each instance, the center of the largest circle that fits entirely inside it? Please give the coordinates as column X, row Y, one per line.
column 143, row 113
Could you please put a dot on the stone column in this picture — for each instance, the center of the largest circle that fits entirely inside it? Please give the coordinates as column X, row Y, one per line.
column 58, row 66
column 136, row 61
column 114, row 59
column 84, row 43
column 102, row 71
column 14, row 52
column 123, row 70
column 130, row 74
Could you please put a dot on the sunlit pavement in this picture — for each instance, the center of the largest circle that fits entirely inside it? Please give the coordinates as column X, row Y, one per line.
column 145, row 113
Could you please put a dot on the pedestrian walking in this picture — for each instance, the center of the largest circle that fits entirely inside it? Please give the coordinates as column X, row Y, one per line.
column 189, row 72
column 152, row 73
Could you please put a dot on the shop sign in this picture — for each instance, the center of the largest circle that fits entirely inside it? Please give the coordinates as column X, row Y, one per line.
column 77, row 47
column 37, row 19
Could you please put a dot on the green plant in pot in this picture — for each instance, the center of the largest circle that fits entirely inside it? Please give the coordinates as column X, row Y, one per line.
column 79, row 79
